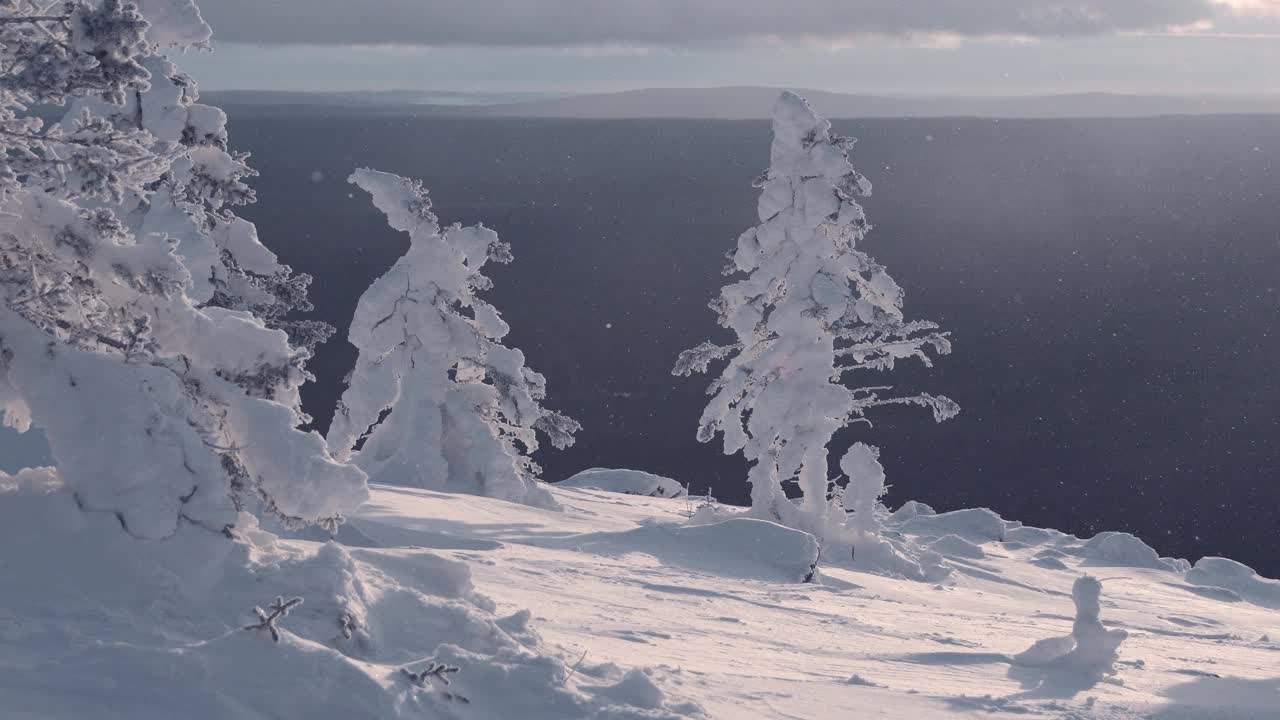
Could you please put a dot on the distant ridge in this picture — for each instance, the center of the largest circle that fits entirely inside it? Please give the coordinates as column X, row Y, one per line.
column 748, row 103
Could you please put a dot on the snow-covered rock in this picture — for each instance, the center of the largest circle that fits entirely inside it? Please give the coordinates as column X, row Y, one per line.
column 1033, row 535
column 737, row 547
column 630, row 482
column 910, row 509
column 1218, row 572
column 977, row 524
column 1118, row 549
column 956, row 546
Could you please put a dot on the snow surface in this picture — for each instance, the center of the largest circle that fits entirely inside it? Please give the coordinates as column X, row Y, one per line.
column 615, row 606
column 599, row 580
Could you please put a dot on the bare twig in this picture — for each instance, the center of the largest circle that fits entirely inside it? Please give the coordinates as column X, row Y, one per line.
column 267, row 621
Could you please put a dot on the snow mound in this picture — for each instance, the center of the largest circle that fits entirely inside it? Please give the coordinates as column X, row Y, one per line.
column 1118, row 549
column 977, row 524
column 1034, row 536
column 738, row 547
column 956, row 546
column 1221, row 573
column 910, row 509
column 630, row 482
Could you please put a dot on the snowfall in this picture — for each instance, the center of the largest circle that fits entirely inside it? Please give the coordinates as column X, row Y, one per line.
column 617, row 605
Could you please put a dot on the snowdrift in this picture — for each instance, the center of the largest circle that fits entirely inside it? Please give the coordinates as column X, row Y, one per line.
column 737, row 547
column 630, row 482
column 1217, row 572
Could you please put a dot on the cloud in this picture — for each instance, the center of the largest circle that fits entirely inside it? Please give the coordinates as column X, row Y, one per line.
column 556, row 23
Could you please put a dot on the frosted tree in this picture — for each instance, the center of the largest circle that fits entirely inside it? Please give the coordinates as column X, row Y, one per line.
column 813, row 309
column 163, row 401
column 435, row 399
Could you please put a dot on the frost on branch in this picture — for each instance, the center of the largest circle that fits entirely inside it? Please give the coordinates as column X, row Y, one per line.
column 812, row 310
column 699, row 359
column 278, row 608
column 162, row 403
column 435, row 399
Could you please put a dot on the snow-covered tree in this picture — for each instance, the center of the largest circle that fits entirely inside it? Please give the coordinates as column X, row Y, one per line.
column 854, row 521
column 435, row 399
column 861, row 464
column 138, row 311
column 813, row 309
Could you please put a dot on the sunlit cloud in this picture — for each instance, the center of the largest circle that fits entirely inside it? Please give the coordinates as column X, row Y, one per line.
column 690, row 23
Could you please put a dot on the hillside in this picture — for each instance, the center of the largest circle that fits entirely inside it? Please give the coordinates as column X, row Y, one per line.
column 617, row 606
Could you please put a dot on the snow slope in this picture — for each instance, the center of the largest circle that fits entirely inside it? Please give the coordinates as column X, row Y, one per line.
column 616, row 579
column 618, row 606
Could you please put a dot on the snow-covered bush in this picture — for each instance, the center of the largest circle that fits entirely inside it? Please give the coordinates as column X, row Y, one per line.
column 435, row 399
column 1090, row 649
column 143, row 323
column 812, row 309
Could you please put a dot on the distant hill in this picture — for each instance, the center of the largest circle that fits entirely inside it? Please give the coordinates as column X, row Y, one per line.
column 743, row 103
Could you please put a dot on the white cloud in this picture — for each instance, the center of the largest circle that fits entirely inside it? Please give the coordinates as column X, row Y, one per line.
column 550, row 23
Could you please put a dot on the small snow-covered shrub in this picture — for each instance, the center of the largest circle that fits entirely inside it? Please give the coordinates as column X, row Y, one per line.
column 1123, row 550
column 1090, row 649
column 435, row 398
column 910, row 509
column 813, row 308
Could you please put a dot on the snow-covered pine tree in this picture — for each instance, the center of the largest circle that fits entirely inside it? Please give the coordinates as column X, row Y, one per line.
column 435, row 397
column 812, row 309
column 162, row 401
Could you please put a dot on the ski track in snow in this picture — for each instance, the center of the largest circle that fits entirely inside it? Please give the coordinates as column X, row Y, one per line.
column 857, row 645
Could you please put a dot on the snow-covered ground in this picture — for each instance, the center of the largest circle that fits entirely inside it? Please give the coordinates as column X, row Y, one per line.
column 617, row 578
column 615, row 606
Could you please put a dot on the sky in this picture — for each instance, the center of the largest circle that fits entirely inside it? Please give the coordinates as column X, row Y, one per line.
column 904, row 47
